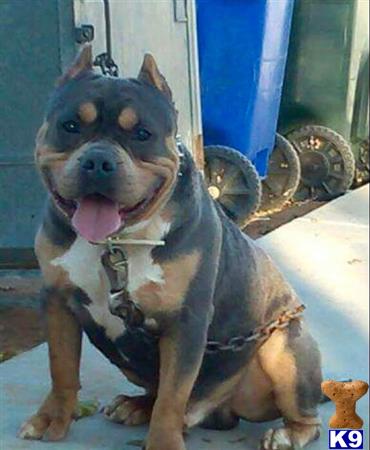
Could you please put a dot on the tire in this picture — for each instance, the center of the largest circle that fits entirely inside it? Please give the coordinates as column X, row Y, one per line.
column 283, row 175
column 233, row 182
column 327, row 163
column 362, row 173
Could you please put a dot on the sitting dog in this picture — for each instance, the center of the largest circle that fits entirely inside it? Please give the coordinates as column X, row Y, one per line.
column 182, row 302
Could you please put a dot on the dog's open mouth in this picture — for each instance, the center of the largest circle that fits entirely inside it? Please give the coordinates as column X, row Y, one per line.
column 96, row 217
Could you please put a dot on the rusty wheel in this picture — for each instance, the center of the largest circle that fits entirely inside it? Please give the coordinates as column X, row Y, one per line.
column 233, row 182
column 327, row 162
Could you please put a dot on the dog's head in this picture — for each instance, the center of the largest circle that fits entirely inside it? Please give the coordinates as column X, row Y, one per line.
column 107, row 150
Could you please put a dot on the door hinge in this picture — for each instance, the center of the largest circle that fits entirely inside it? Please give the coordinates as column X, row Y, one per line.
column 180, row 10
column 84, row 33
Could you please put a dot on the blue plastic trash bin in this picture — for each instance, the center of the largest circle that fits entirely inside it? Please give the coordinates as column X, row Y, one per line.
column 242, row 53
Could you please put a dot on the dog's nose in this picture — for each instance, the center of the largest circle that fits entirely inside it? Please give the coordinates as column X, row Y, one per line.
column 97, row 163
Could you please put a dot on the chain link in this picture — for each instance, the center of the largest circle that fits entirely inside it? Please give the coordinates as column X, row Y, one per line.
column 106, row 64
column 260, row 334
column 234, row 344
column 105, row 60
column 134, row 318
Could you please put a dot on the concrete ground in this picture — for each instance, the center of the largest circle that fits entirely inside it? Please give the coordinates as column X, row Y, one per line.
column 323, row 254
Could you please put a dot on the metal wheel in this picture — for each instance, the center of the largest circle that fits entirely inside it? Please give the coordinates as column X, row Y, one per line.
column 327, row 163
column 283, row 175
column 362, row 174
column 233, row 182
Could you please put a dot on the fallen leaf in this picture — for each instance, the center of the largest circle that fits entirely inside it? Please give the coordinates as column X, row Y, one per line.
column 86, row 409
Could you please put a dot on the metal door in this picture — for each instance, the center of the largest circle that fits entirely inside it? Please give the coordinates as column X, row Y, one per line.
column 37, row 38
column 165, row 28
column 38, row 41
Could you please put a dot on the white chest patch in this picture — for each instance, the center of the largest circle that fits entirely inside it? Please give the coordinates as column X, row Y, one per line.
column 82, row 262
column 141, row 268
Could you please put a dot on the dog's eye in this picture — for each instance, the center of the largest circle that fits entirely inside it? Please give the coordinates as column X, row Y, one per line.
column 141, row 134
column 71, row 126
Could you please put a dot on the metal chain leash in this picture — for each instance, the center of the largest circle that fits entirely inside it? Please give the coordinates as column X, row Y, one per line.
column 116, row 263
column 105, row 60
column 106, row 64
column 259, row 334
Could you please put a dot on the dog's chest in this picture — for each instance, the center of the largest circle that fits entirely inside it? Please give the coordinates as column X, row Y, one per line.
column 82, row 262
column 141, row 268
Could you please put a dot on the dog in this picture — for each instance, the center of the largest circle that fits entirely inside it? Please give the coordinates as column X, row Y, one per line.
column 108, row 156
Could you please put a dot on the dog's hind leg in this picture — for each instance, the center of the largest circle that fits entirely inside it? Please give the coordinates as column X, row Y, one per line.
column 132, row 410
column 253, row 398
column 221, row 419
column 291, row 360
column 135, row 410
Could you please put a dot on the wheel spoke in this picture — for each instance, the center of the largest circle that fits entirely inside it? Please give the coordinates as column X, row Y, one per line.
column 231, row 173
column 336, row 159
column 235, row 191
column 327, row 187
column 215, row 167
column 325, row 148
column 337, row 176
column 278, row 171
column 275, row 188
column 300, row 146
column 277, row 159
column 311, row 191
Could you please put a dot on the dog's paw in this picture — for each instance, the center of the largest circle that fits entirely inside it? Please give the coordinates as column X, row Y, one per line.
column 130, row 410
column 294, row 436
column 29, row 431
column 277, row 440
column 53, row 419
column 44, row 427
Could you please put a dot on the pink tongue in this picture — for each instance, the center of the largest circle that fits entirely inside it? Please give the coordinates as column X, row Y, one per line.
column 96, row 218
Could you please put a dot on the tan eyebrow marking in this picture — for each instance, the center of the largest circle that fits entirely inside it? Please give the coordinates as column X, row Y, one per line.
column 87, row 112
column 128, row 118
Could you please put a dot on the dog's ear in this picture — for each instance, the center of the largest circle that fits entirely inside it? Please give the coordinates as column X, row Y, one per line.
column 149, row 73
column 82, row 63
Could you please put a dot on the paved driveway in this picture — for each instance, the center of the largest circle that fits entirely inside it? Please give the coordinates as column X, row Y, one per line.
column 325, row 257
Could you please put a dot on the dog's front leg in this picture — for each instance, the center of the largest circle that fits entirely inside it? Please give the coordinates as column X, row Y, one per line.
column 181, row 353
column 53, row 418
